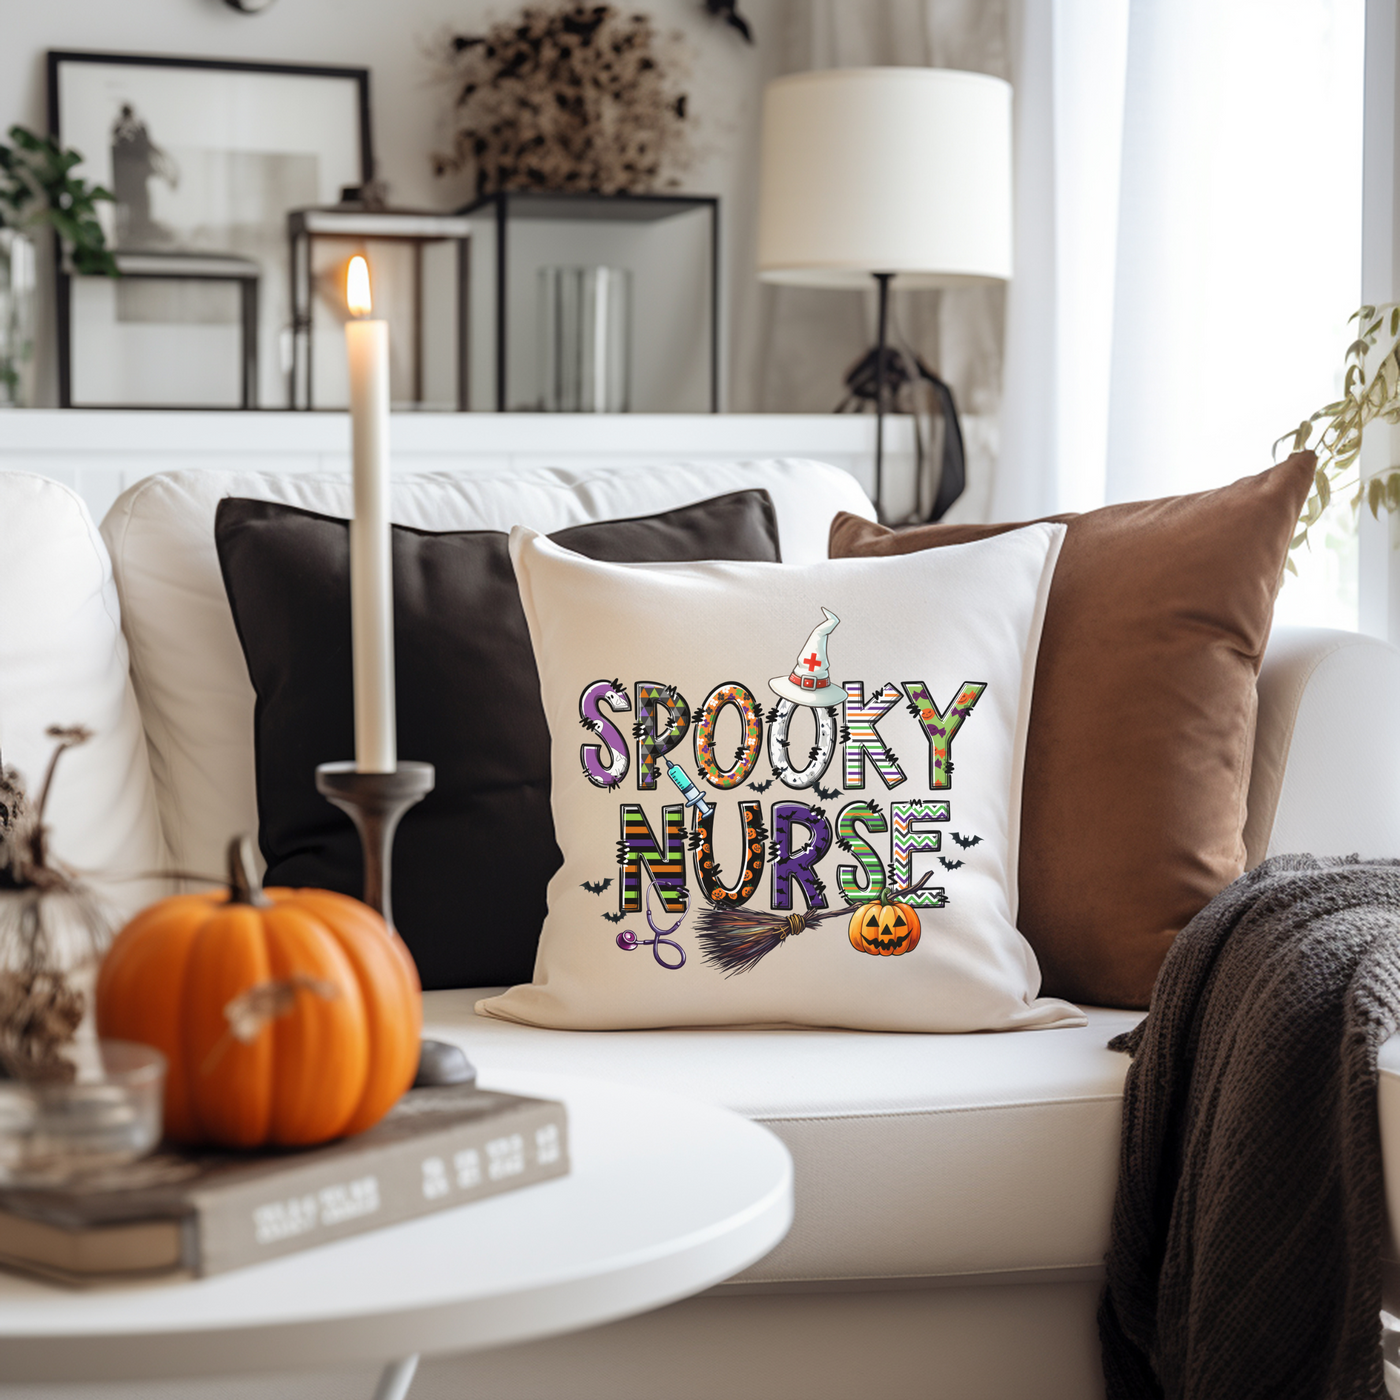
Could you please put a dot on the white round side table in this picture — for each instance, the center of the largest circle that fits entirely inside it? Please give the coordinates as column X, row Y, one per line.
column 666, row 1197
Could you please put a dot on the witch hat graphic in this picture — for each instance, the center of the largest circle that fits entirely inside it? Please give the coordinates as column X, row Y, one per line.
column 809, row 682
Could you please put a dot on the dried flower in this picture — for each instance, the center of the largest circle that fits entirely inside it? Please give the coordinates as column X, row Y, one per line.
column 574, row 99
column 262, row 1004
column 51, row 923
column 40, row 1013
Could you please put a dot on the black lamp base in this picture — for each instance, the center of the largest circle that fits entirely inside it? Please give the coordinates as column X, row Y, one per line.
column 878, row 377
column 376, row 802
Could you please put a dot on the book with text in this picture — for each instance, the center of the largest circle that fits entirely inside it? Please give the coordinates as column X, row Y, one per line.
column 204, row 1212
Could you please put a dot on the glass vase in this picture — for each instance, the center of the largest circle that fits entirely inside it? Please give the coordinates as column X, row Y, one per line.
column 586, row 339
column 18, row 294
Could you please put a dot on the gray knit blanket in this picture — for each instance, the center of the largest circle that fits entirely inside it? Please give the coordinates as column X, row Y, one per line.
column 1244, row 1259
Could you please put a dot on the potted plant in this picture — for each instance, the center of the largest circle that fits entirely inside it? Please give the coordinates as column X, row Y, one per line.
column 38, row 187
column 1370, row 390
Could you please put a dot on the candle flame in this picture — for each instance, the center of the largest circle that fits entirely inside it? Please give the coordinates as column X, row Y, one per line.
column 357, row 287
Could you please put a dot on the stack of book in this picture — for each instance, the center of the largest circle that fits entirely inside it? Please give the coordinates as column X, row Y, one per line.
column 201, row 1213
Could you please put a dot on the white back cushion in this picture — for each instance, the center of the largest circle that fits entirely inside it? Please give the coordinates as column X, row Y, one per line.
column 187, row 665
column 63, row 660
column 1326, row 775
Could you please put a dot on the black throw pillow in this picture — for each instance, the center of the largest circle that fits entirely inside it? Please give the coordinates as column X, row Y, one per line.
column 472, row 861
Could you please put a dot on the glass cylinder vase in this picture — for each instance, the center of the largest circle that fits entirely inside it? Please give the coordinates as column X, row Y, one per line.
column 585, row 339
column 18, row 293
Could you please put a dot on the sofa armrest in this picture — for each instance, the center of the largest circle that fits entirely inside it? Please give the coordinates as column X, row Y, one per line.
column 1326, row 775
column 1388, row 1097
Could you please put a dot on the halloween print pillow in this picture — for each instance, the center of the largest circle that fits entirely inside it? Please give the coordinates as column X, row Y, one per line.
column 787, row 795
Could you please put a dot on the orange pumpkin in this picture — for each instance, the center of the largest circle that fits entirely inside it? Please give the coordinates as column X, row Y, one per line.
column 287, row 1017
column 884, row 928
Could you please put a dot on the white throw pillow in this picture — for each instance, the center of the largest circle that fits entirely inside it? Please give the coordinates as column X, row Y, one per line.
column 740, row 748
column 63, row 660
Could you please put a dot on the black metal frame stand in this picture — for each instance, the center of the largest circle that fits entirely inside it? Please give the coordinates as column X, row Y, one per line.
column 883, row 280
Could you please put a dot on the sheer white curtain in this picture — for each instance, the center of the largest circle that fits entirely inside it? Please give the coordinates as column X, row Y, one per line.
column 1188, row 249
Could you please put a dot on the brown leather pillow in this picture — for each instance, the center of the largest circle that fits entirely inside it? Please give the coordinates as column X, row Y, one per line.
column 1142, row 722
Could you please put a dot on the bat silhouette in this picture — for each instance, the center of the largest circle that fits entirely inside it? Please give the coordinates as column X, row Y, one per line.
column 827, row 794
column 965, row 841
column 762, row 787
column 597, row 888
column 613, row 918
column 728, row 11
column 949, row 864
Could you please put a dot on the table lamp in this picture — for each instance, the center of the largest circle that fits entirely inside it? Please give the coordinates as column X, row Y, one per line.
column 886, row 173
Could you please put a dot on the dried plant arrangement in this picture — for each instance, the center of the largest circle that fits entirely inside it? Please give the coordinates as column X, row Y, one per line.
column 52, row 929
column 582, row 98
column 1370, row 391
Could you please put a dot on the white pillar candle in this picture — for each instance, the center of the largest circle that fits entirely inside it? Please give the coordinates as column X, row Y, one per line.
column 371, row 566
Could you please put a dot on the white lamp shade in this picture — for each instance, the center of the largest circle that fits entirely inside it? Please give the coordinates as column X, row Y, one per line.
column 901, row 170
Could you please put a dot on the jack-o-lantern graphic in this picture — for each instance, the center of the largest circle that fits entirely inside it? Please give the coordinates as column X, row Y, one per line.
column 884, row 928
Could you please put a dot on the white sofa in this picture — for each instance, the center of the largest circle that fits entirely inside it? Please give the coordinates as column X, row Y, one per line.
column 953, row 1192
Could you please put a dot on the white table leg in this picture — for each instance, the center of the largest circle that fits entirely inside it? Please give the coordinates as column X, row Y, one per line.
column 396, row 1378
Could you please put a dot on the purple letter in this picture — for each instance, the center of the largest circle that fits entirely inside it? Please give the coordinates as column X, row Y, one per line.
column 788, row 863
column 605, row 764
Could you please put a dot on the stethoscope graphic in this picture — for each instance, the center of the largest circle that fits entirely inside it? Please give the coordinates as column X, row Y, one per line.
column 629, row 942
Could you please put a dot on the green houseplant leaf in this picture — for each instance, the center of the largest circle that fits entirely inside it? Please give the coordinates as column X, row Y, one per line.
column 1370, row 391
column 37, row 187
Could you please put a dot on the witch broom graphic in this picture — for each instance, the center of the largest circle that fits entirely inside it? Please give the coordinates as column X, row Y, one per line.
column 735, row 940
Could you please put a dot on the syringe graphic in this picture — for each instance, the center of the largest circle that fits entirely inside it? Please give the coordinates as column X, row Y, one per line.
column 692, row 794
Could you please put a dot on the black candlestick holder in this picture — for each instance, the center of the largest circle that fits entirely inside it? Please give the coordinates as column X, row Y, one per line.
column 376, row 802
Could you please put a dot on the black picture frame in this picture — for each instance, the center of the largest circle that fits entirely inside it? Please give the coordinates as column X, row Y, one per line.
column 57, row 59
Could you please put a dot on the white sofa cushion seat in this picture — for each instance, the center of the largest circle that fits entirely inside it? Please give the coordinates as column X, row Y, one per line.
column 191, row 680
column 916, row 1156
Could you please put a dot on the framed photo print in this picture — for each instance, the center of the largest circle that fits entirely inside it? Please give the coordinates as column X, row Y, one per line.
column 205, row 157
